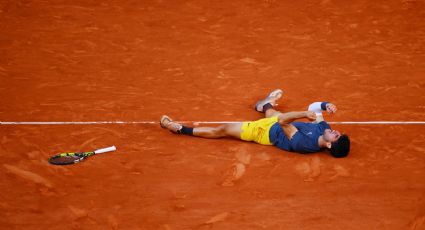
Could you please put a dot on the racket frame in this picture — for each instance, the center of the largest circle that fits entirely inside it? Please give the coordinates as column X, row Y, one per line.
column 81, row 155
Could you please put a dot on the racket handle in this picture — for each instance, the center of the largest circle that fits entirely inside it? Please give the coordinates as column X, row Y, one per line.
column 104, row 150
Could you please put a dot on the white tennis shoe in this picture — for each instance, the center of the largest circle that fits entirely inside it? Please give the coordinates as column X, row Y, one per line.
column 271, row 98
column 169, row 124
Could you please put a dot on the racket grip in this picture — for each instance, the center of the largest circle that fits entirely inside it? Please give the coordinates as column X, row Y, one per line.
column 104, row 150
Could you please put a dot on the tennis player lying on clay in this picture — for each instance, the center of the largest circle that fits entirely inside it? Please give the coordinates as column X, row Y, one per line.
column 278, row 129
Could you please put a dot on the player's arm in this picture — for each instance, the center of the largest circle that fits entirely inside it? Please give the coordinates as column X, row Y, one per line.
column 285, row 118
column 318, row 107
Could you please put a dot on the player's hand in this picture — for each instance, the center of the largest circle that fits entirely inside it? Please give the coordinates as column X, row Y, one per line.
column 331, row 108
column 311, row 115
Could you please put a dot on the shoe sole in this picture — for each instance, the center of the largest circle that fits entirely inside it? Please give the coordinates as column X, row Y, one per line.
column 277, row 94
column 163, row 118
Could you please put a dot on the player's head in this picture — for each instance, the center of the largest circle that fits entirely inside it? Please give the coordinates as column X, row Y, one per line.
column 338, row 144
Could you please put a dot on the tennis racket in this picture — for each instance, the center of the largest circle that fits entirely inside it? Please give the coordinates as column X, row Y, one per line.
column 72, row 158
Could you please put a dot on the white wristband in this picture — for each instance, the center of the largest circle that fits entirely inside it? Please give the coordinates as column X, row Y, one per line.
column 316, row 107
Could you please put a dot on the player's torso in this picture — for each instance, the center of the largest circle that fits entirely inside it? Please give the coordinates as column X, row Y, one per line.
column 299, row 136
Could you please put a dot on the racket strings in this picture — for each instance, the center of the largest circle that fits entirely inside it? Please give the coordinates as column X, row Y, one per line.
column 74, row 157
column 66, row 158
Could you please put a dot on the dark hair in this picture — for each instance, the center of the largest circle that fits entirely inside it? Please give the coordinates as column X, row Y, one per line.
column 341, row 147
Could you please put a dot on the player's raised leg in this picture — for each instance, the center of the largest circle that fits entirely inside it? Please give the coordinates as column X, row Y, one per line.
column 225, row 130
column 266, row 105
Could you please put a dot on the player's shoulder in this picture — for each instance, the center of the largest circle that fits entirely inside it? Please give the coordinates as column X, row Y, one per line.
column 324, row 124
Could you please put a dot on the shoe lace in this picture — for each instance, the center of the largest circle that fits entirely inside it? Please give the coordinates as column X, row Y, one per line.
column 175, row 126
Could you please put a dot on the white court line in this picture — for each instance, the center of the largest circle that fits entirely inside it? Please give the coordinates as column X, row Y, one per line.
column 336, row 122
column 196, row 122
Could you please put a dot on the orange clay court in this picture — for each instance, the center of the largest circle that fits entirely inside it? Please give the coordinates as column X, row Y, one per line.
column 209, row 61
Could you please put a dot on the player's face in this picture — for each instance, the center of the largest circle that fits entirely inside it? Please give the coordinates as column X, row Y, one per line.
column 331, row 135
